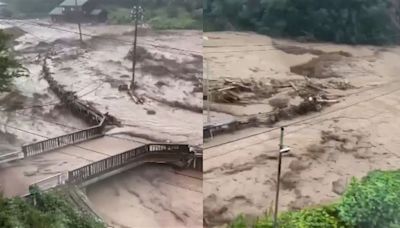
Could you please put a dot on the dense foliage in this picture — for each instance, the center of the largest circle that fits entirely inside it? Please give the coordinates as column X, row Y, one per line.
column 9, row 67
column 31, row 8
column 344, row 21
column 160, row 14
column 44, row 211
column 371, row 202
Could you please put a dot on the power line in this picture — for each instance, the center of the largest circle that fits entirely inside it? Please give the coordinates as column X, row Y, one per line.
column 304, row 120
column 75, row 128
column 292, row 48
column 91, row 91
column 38, row 38
column 157, row 46
column 243, row 51
column 297, row 47
column 29, row 107
column 52, row 103
column 109, row 38
column 36, row 134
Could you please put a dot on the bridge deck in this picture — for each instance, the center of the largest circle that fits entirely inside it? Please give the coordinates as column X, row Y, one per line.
column 16, row 177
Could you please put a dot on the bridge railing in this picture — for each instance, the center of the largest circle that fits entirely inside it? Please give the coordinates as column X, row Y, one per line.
column 11, row 156
column 102, row 166
column 77, row 107
column 51, row 182
column 197, row 163
column 117, row 161
column 62, row 141
column 168, row 148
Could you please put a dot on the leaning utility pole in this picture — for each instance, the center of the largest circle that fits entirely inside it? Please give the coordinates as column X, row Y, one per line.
column 136, row 18
column 78, row 17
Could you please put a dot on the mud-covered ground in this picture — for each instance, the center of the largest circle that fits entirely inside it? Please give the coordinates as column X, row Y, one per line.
column 345, row 139
column 168, row 79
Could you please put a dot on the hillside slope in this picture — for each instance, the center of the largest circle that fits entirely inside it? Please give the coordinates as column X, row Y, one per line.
column 351, row 21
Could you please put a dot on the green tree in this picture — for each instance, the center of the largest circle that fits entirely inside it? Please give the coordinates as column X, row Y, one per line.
column 9, row 67
column 342, row 21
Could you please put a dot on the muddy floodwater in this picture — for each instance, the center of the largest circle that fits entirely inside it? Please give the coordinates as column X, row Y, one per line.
column 348, row 138
column 149, row 196
column 168, row 80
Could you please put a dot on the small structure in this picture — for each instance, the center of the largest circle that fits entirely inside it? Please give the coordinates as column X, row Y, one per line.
column 78, row 10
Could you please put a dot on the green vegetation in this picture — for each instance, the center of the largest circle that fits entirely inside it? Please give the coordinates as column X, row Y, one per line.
column 161, row 14
column 31, row 8
column 178, row 18
column 342, row 21
column 44, row 210
column 118, row 15
column 9, row 67
column 373, row 201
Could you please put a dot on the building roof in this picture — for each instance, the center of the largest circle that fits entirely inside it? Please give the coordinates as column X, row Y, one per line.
column 57, row 11
column 74, row 2
column 96, row 12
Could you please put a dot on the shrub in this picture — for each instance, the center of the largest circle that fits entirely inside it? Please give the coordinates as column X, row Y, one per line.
column 119, row 16
column 372, row 202
column 180, row 20
column 324, row 217
column 44, row 210
column 239, row 222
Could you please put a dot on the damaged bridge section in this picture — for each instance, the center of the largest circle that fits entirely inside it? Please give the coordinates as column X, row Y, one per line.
column 80, row 109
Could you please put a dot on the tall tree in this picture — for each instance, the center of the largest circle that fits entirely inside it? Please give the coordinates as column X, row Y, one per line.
column 9, row 66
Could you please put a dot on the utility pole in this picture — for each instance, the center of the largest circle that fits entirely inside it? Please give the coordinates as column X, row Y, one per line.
column 208, row 92
column 77, row 13
column 278, row 178
column 136, row 18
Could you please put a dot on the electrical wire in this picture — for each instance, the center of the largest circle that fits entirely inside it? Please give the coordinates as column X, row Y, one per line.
column 75, row 128
column 184, row 51
column 302, row 121
column 29, row 107
column 36, row 134
column 274, row 46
